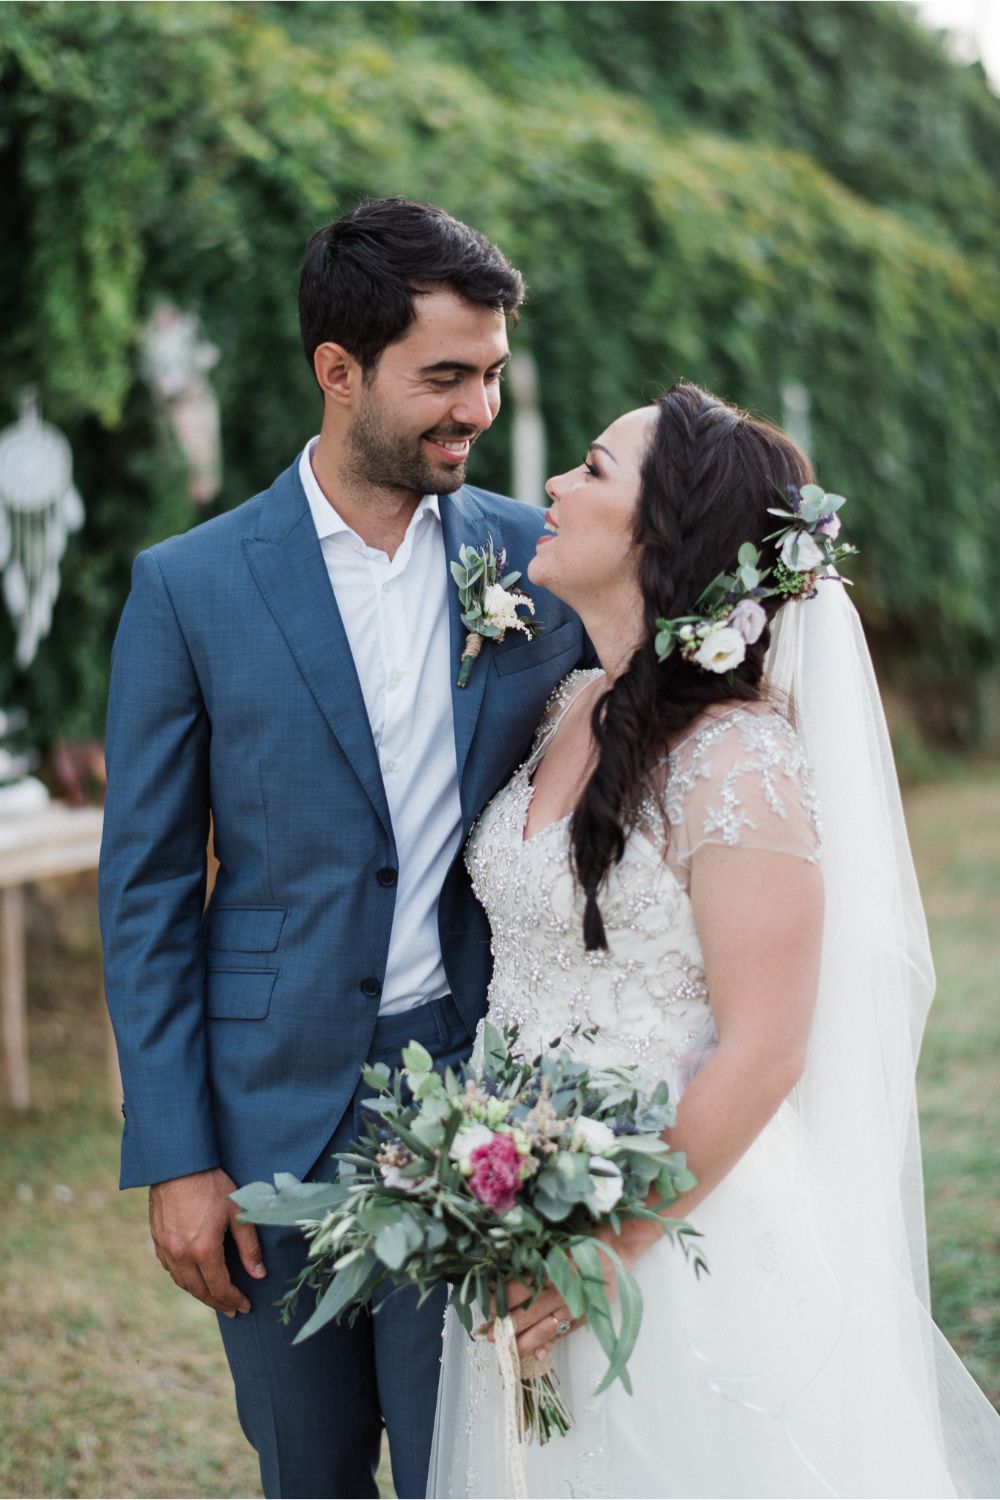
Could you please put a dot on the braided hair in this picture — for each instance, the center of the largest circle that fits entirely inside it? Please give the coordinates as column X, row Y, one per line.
column 707, row 478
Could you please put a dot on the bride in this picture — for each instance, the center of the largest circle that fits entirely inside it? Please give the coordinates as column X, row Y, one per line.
column 711, row 866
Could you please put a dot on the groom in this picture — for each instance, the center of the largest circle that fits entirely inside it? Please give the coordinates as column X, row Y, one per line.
column 287, row 672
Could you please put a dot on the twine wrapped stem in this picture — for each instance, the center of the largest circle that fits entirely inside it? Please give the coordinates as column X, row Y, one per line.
column 473, row 646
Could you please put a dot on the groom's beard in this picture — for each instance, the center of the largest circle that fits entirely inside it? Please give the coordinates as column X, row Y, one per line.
column 383, row 459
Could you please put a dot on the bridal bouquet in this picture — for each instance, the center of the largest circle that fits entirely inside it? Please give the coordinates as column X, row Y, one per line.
column 502, row 1173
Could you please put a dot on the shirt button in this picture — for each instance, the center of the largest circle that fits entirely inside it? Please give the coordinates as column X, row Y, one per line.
column 391, row 765
column 386, row 877
column 371, row 988
column 397, row 675
column 386, row 587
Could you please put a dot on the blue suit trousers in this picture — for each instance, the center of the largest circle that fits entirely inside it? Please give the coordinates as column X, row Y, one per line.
column 315, row 1412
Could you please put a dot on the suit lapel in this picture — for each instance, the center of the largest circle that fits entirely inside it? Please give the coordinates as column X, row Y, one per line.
column 286, row 560
column 465, row 520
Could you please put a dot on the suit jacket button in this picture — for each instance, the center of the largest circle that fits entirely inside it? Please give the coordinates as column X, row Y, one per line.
column 387, row 876
column 372, row 988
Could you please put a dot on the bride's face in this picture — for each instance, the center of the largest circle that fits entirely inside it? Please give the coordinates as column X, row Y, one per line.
column 588, row 556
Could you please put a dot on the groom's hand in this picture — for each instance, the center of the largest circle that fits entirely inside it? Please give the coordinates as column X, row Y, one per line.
column 188, row 1220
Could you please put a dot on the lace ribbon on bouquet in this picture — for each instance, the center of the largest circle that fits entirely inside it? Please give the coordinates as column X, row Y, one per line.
column 524, row 1380
column 39, row 507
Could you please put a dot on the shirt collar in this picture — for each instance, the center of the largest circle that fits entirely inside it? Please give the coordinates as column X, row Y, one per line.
column 326, row 518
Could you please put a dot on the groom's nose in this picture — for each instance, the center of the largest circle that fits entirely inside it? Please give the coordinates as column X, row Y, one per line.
column 476, row 406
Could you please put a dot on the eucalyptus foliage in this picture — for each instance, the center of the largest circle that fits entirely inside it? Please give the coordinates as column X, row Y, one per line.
column 751, row 196
column 419, row 1201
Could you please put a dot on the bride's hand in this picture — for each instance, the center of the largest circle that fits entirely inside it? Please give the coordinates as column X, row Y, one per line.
column 535, row 1322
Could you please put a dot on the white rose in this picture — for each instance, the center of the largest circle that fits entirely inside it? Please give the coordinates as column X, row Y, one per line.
column 607, row 1188
column 801, row 546
column 724, row 649
column 499, row 607
column 467, row 1140
column 592, row 1135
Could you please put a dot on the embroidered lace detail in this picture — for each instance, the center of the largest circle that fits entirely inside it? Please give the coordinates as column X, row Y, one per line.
column 743, row 780
column 739, row 779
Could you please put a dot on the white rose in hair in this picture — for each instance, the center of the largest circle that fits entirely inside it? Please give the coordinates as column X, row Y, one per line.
column 592, row 1135
column 724, row 649
column 607, row 1185
column 800, row 552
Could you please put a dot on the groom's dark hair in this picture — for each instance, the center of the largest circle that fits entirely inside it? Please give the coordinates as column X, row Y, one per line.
column 361, row 275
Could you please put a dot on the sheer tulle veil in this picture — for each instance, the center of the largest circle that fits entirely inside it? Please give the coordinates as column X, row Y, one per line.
column 857, row 1098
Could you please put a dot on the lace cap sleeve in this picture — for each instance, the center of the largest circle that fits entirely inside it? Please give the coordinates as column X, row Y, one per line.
column 742, row 780
column 560, row 698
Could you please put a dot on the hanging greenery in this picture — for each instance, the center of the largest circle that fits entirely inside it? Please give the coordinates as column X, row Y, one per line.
column 750, row 196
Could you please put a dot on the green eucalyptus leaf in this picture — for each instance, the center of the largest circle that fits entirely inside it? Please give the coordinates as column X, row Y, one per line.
column 351, row 1285
column 392, row 1246
column 416, row 1059
column 565, row 1280
column 376, row 1076
column 552, row 1208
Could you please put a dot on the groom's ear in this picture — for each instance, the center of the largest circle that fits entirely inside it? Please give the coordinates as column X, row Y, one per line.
column 338, row 374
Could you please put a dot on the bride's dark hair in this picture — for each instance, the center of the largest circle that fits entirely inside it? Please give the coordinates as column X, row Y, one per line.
column 708, row 475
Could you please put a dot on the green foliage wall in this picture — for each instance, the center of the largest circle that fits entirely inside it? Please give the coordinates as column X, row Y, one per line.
column 745, row 195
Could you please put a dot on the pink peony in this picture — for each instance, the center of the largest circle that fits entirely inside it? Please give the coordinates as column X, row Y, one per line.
column 749, row 619
column 496, row 1173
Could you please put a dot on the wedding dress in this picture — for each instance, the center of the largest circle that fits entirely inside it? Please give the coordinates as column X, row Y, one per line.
column 805, row 1362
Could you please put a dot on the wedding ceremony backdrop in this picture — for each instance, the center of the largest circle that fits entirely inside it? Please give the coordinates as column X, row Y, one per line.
column 795, row 204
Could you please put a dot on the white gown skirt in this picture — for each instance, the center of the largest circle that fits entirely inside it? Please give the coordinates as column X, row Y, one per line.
column 762, row 1378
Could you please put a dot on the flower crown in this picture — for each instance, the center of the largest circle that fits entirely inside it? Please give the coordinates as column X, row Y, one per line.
column 730, row 616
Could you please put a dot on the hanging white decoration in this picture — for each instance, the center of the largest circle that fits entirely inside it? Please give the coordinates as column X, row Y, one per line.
column 39, row 507
column 177, row 360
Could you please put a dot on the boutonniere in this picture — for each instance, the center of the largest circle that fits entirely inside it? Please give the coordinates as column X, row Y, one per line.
column 489, row 603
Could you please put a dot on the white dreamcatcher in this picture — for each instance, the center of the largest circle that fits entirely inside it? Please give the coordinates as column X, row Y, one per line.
column 39, row 507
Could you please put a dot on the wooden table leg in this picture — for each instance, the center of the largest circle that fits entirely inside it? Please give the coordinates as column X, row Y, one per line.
column 12, row 994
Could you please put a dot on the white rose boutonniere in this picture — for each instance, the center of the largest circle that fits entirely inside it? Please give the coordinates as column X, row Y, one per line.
column 489, row 603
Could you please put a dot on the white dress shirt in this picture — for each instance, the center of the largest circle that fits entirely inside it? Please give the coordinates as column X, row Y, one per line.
column 395, row 613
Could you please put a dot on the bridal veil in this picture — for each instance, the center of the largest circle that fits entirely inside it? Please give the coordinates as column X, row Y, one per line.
column 857, row 1096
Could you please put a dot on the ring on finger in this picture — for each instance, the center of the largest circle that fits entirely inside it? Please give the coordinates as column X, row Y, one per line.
column 563, row 1325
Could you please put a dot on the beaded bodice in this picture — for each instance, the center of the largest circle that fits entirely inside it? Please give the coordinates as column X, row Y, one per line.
column 739, row 779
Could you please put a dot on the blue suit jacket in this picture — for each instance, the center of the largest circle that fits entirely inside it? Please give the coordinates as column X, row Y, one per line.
column 241, row 1029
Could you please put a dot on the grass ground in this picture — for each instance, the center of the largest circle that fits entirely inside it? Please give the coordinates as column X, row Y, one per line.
column 112, row 1383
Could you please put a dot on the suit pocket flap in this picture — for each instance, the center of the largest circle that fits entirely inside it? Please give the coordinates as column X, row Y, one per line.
column 240, row 994
column 563, row 639
column 245, row 929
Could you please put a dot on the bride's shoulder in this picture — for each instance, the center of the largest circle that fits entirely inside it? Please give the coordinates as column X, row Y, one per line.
column 740, row 776
column 564, row 692
column 759, row 730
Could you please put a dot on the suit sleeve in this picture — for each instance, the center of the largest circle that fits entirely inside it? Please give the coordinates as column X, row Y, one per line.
column 152, row 887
